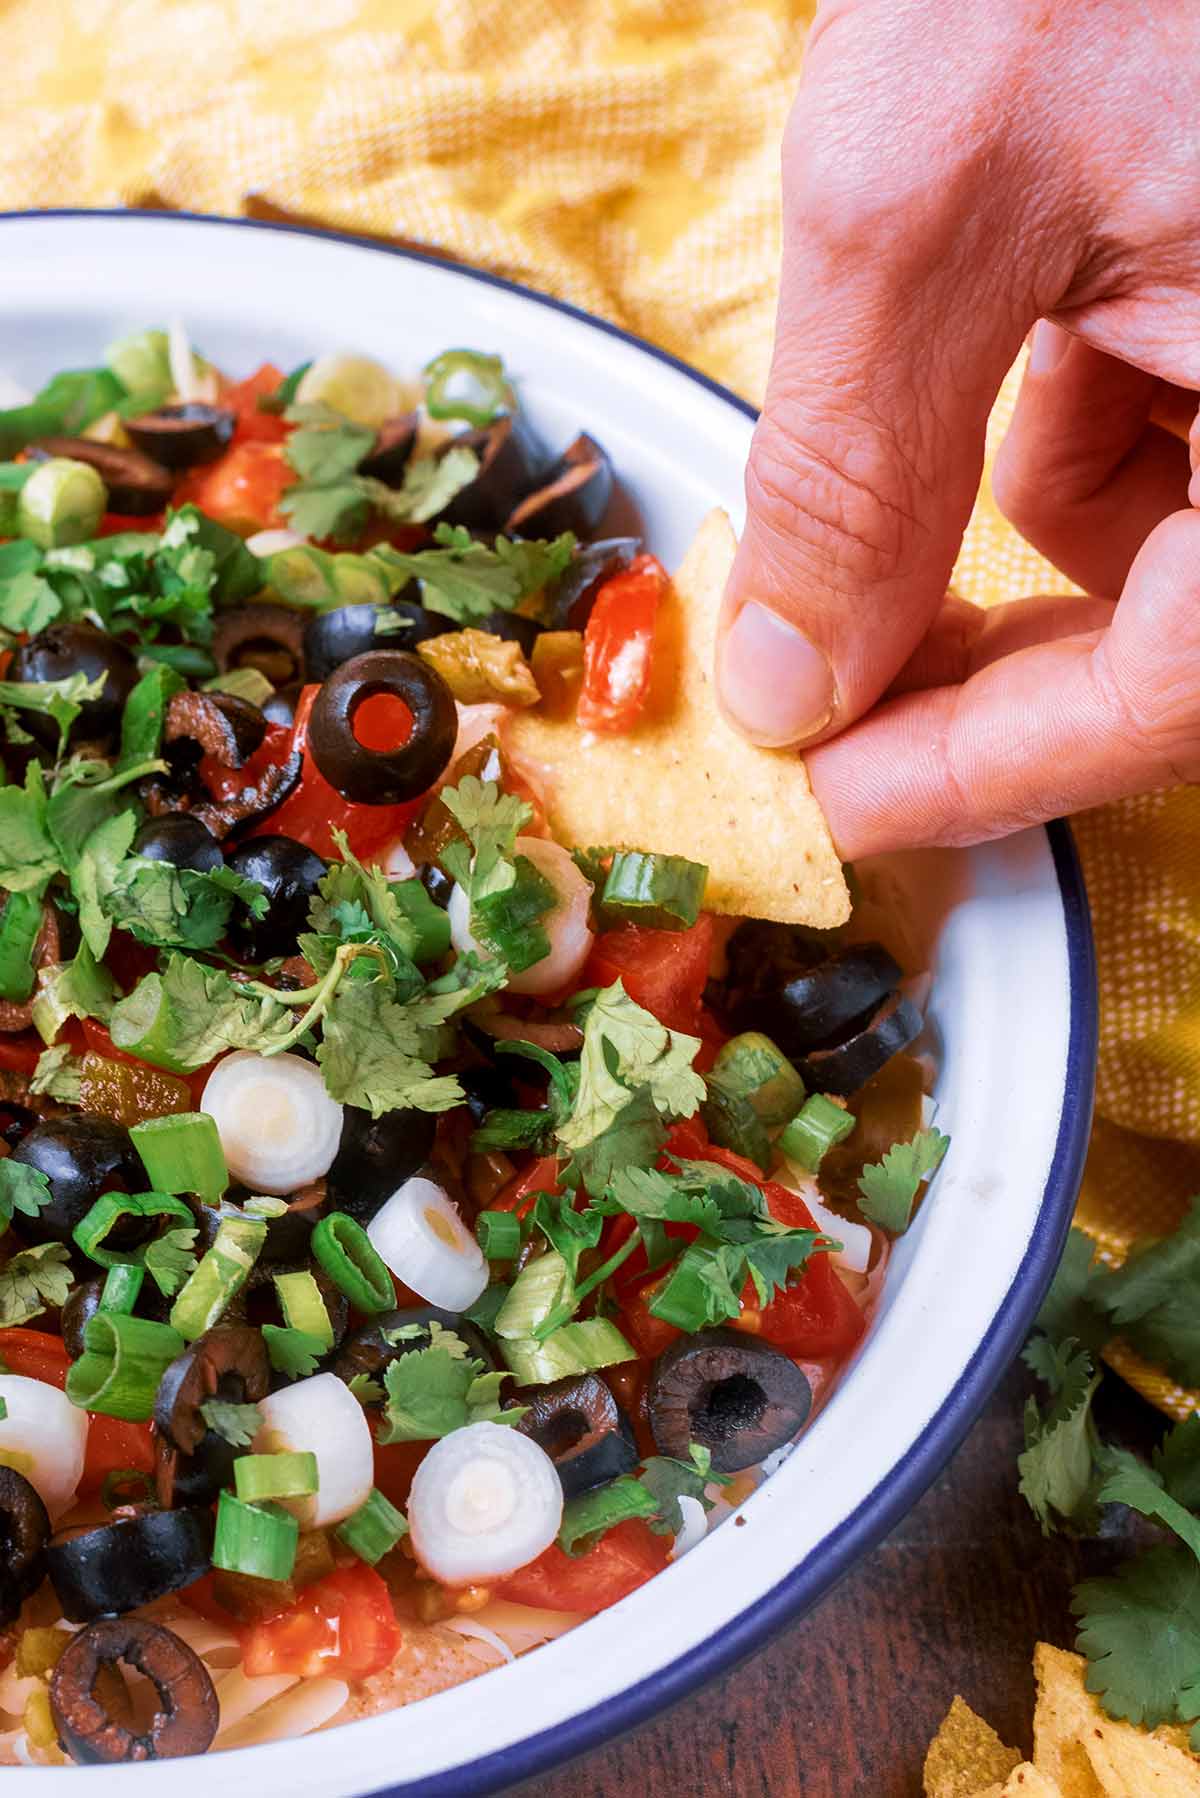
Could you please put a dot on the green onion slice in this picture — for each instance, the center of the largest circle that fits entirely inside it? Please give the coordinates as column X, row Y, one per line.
column 123, row 1361
column 373, row 1529
column 291, row 1474
column 256, row 1539
column 182, row 1153
column 122, row 1283
column 816, row 1128
column 92, row 1230
column 499, row 1234
column 572, row 1349
column 220, row 1276
column 344, row 1250
column 467, row 384
column 663, row 891
column 303, row 1307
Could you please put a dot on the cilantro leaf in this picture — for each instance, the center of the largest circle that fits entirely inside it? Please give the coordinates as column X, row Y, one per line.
column 325, row 446
column 28, row 856
column 569, row 1231
column 23, row 1189
column 1127, row 1481
column 668, row 1480
column 634, row 1138
column 888, row 1187
column 34, row 1279
column 430, row 483
column 1154, row 1299
column 58, row 1074
column 492, row 821
column 169, row 1259
column 587, row 1516
column 187, row 1014
column 82, row 988
column 1140, row 1630
column 237, row 1424
column 432, row 1391
column 366, row 1390
column 1069, row 1308
column 294, row 1353
column 171, row 907
column 62, row 700
column 376, row 1052
column 1177, row 1462
column 1057, row 1466
column 102, row 854
column 465, row 580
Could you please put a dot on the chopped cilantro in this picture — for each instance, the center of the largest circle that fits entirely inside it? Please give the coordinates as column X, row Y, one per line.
column 169, row 1259
column 653, row 1494
column 237, row 1424
column 28, row 856
column 465, row 580
column 376, row 1051
column 58, row 1074
column 435, row 1390
column 888, row 1187
column 1140, row 1630
column 294, row 1353
column 23, row 1189
column 187, row 1014
column 33, row 1279
column 175, row 908
column 82, row 988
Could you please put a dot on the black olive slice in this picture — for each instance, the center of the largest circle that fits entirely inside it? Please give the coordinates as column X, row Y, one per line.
column 582, row 1428
column 65, row 649
column 180, row 436
column 506, row 474
column 137, row 485
column 187, row 1716
column 383, row 776
column 572, row 494
column 569, row 601
column 181, row 840
column 437, row 883
column 375, row 1156
column 393, row 448
column 112, row 1569
column 332, row 638
column 816, row 1005
column 288, row 1234
column 254, row 801
column 846, row 1066
column 288, row 873
column 369, row 1350
column 223, row 725
column 84, row 1302
column 260, row 636
column 24, row 1533
column 194, row 1479
column 732, row 1393
column 229, row 1362
column 82, row 1157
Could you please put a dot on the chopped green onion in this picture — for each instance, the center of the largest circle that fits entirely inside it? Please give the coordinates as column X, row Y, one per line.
column 539, row 1288
column 373, row 1529
column 469, row 385
column 344, row 1250
column 127, row 1486
column 663, row 891
column 499, row 1234
column 732, row 1122
column 220, row 1276
column 816, row 1127
column 123, row 1361
column 256, row 1539
column 92, row 1230
column 3, row 1409
column 303, row 1307
column 182, row 1153
column 292, row 1474
column 572, row 1349
column 589, row 1514
column 122, row 1284
column 754, row 1068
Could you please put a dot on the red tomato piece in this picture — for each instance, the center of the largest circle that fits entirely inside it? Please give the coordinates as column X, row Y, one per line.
column 242, row 489
column 618, row 647
column 114, row 524
column 35, row 1354
column 242, row 397
column 623, row 1559
column 111, row 1443
column 520, row 1193
column 814, row 1315
column 343, row 1624
column 19, row 1053
column 664, row 970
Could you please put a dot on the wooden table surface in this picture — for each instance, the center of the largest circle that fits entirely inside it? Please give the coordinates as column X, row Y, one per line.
column 843, row 1705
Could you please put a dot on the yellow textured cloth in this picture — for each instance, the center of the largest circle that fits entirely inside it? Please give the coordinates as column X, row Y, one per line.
column 624, row 155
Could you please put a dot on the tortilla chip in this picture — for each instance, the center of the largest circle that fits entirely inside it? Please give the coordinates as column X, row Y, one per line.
column 1129, row 1763
column 1065, row 1712
column 1026, row 1782
column 965, row 1754
column 683, row 782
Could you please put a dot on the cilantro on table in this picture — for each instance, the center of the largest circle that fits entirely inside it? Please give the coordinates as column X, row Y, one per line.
column 890, row 1186
column 1058, row 1465
column 466, row 580
column 434, row 1390
column 33, row 1280
column 653, row 1495
column 237, row 1424
column 506, row 893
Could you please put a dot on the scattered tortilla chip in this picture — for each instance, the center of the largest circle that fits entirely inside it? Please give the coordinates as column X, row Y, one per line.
column 1129, row 1763
column 683, row 782
column 1065, row 1712
column 966, row 1754
column 1026, row 1782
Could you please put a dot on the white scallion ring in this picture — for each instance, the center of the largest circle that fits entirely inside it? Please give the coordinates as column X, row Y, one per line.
column 484, row 1501
column 419, row 1235
column 44, row 1437
column 278, row 1126
column 321, row 1416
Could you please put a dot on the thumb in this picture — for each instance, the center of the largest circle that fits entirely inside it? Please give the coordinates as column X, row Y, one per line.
column 903, row 302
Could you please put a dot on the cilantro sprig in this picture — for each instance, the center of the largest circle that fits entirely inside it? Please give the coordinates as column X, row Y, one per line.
column 889, row 1187
column 431, row 1391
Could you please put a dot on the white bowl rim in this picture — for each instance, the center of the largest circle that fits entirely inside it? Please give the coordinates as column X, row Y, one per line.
column 903, row 1483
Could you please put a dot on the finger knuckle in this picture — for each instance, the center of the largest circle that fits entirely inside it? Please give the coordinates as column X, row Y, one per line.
column 1153, row 724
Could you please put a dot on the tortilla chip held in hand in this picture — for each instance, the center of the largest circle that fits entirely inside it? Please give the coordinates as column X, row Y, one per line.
column 682, row 781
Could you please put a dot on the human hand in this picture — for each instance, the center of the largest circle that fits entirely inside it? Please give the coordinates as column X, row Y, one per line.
column 951, row 175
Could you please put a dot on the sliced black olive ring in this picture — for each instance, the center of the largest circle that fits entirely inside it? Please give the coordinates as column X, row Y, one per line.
column 116, row 1567
column 187, row 1715
column 334, row 637
column 847, row 1065
column 815, row 1005
column 572, row 494
column 193, row 1479
column 732, row 1393
column 180, row 436
column 583, row 1430
column 229, row 1362
column 375, row 1156
column 24, row 1533
column 386, row 776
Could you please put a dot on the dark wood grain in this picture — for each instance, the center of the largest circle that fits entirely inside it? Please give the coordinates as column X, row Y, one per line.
column 843, row 1705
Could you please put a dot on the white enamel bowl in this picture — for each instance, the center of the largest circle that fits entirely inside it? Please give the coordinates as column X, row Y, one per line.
column 1013, row 1002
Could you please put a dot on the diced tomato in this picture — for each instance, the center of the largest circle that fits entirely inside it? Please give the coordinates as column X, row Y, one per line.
column 343, row 1625
column 623, row 1559
column 242, row 397
column 97, row 1039
column 115, row 524
column 649, row 1335
column 19, row 1052
column 314, row 809
column 664, row 970
column 36, row 1355
column 242, row 489
column 814, row 1315
column 112, row 1443
column 395, row 1465
column 540, row 1176
column 618, row 647
column 201, row 1598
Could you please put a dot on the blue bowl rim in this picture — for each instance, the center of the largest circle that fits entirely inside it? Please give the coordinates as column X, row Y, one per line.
column 802, row 1587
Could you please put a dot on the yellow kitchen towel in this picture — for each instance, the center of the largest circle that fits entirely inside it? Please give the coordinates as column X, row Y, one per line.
column 622, row 154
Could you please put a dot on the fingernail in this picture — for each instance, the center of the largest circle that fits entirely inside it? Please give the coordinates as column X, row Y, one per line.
column 776, row 685
column 1050, row 345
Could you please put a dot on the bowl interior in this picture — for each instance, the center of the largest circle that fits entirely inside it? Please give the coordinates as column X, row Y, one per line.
column 1005, row 927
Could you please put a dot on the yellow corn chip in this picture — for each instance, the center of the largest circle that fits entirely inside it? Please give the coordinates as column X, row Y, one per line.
column 1066, row 1711
column 1129, row 1763
column 965, row 1753
column 683, row 782
column 1026, row 1782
